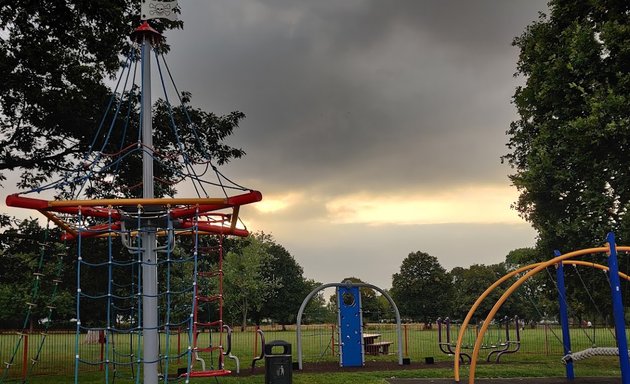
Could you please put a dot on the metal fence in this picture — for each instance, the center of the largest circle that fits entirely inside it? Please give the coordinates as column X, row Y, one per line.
column 55, row 351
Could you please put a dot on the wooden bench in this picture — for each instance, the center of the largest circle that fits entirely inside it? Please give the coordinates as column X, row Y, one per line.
column 379, row 348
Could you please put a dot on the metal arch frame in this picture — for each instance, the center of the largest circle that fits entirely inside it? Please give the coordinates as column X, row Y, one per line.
column 531, row 270
column 346, row 284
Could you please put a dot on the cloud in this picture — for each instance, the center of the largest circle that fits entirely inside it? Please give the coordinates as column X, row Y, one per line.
column 374, row 128
column 275, row 203
column 359, row 94
column 472, row 204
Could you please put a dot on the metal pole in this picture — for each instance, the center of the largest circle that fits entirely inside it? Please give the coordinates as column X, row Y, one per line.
column 564, row 317
column 24, row 356
column 620, row 326
column 148, row 235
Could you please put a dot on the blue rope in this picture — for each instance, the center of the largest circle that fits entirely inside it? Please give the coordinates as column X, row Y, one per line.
column 173, row 124
column 196, row 134
column 129, row 109
column 109, row 105
column 99, row 154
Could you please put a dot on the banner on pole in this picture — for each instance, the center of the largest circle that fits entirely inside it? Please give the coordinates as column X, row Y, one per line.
column 152, row 9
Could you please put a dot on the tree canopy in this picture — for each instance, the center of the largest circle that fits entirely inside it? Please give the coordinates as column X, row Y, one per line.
column 246, row 287
column 56, row 58
column 422, row 289
column 569, row 147
column 285, row 303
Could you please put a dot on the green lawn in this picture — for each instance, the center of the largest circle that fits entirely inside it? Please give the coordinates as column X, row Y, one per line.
column 596, row 367
column 539, row 356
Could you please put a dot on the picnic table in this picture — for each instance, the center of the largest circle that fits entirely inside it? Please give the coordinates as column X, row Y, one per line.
column 374, row 347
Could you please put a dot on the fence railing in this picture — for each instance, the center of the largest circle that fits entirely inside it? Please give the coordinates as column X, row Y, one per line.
column 55, row 351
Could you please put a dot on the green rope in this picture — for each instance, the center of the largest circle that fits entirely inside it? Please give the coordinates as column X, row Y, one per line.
column 33, row 299
column 51, row 307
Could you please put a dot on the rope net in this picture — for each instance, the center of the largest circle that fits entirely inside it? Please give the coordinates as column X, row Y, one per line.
column 41, row 305
column 190, row 305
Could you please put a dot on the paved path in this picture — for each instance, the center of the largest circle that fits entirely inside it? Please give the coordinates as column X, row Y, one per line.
column 528, row 380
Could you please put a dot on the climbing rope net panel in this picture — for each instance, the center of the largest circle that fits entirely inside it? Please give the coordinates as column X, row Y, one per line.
column 153, row 250
column 44, row 293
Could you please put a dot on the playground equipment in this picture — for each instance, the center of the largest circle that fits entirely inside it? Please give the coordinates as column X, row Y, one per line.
column 260, row 333
column 499, row 346
column 610, row 250
column 446, row 345
column 351, row 335
column 51, row 251
column 148, row 227
column 590, row 352
column 350, row 320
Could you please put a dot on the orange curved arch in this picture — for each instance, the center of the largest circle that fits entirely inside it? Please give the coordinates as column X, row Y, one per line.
column 492, row 287
column 533, row 269
column 471, row 312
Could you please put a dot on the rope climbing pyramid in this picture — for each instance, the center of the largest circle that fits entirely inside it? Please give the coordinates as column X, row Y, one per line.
column 159, row 254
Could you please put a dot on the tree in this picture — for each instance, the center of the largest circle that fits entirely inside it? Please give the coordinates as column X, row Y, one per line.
column 520, row 257
column 318, row 311
column 55, row 58
column 30, row 262
column 282, row 268
column 387, row 313
column 422, row 289
column 370, row 305
column 569, row 147
column 469, row 283
column 587, row 290
column 538, row 296
column 245, row 287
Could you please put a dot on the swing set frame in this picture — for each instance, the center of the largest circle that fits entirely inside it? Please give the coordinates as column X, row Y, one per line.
column 610, row 250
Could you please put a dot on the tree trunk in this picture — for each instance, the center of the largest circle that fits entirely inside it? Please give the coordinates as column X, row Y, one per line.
column 244, row 319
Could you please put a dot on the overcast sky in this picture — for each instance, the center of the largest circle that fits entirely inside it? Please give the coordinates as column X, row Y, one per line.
column 374, row 128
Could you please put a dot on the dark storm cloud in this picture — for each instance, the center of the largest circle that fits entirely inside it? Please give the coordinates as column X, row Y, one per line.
column 361, row 97
column 367, row 94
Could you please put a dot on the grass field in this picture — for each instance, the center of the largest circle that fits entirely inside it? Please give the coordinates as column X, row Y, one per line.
column 540, row 355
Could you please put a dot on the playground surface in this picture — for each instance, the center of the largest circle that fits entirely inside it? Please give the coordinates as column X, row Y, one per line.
column 528, row 380
column 392, row 366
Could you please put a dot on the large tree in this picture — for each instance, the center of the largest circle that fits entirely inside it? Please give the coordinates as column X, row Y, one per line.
column 285, row 302
column 246, row 288
column 569, row 148
column 55, row 60
column 422, row 289
column 587, row 289
column 33, row 269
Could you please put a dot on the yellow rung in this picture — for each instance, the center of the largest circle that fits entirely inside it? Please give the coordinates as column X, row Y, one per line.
column 136, row 202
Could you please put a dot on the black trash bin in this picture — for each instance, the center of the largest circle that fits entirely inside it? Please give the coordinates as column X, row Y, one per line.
column 278, row 366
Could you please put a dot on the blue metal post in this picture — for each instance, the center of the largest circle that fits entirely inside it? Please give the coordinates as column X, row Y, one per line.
column 351, row 351
column 620, row 324
column 564, row 316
